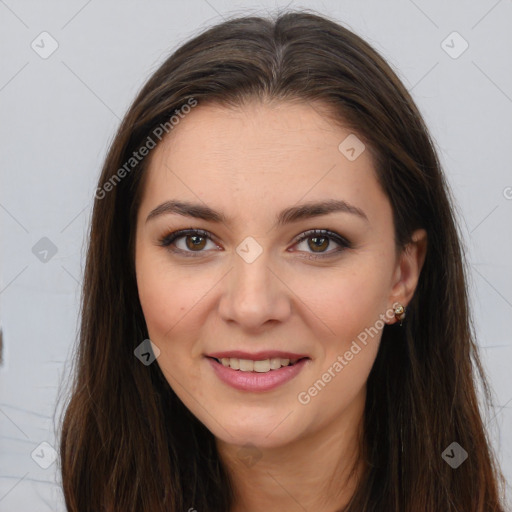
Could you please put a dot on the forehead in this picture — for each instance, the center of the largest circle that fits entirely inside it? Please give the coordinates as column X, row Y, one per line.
column 260, row 156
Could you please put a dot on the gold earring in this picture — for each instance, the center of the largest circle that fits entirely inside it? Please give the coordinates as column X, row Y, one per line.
column 399, row 313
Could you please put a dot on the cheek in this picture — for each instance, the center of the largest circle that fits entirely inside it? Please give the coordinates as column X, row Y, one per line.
column 158, row 305
column 347, row 301
column 165, row 293
column 173, row 304
column 349, row 306
column 346, row 357
column 165, row 300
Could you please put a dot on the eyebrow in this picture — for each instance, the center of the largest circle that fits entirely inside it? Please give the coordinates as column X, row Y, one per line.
column 287, row 216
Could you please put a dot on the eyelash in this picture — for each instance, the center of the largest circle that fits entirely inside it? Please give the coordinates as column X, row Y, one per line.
column 168, row 239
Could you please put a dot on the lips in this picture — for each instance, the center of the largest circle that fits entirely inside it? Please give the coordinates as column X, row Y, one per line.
column 257, row 356
column 262, row 379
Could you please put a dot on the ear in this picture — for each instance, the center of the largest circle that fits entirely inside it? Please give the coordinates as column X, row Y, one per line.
column 407, row 271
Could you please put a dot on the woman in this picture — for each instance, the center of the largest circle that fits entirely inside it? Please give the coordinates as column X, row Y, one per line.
column 274, row 311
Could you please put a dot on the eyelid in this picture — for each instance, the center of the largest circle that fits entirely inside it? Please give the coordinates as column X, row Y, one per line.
column 343, row 243
column 167, row 240
column 332, row 235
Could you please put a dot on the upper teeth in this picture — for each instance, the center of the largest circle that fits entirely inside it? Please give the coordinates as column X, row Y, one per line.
column 248, row 365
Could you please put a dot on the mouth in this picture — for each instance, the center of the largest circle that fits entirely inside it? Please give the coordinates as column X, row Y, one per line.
column 257, row 375
column 258, row 365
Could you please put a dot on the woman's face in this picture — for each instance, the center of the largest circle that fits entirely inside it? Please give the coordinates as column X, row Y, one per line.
column 262, row 283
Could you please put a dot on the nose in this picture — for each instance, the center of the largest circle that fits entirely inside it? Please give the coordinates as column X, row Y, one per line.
column 254, row 294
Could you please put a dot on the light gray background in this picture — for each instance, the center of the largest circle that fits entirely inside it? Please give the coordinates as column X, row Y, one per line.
column 58, row 115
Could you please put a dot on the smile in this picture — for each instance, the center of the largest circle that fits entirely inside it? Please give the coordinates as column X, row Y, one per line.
column 256, row 375
column 260, row 366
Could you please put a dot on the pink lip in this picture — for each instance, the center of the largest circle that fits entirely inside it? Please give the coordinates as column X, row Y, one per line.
column 257, row 356
column 255, row 381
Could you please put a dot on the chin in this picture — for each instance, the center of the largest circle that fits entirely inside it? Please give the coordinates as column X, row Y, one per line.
column 263, row 435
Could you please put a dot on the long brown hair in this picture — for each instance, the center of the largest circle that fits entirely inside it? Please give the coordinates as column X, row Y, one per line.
column 129, row 444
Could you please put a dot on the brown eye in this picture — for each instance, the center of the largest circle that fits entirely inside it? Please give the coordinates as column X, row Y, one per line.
column 318, row 240
column 319, row 243
column 194, row 242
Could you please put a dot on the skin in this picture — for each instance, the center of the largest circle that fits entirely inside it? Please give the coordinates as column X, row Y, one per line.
column 250, row 163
